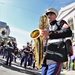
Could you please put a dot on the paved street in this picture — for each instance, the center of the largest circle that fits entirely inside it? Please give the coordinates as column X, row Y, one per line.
column 15, row 69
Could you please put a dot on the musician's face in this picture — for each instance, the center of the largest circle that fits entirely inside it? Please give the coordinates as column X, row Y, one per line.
column 51, row 17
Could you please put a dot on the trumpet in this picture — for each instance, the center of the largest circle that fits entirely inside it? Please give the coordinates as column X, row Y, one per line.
column 38, row 40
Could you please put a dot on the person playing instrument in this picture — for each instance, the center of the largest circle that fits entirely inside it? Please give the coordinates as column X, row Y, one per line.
column 55, row 34
column 10, row 51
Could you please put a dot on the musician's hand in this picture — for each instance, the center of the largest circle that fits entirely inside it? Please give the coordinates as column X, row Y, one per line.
column 45, row 34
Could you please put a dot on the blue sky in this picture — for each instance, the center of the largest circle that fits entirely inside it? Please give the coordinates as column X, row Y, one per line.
column 22, row 16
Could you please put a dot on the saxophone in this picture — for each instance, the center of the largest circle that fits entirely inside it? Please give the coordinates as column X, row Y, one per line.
column 38, row 41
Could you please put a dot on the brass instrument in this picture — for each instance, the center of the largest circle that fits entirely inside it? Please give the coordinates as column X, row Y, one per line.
column 38, row 41
column 4, row 30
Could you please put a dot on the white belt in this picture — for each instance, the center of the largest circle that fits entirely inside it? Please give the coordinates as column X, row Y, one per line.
column 54, row 40
column 51, row 52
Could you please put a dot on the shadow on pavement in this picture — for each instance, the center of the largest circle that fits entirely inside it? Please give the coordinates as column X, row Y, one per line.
column 18, row 69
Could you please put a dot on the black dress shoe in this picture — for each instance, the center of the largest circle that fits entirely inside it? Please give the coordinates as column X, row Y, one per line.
column 9, row 64
column 5, row 64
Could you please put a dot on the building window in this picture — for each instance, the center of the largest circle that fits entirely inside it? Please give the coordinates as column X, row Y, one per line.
column 71, row 23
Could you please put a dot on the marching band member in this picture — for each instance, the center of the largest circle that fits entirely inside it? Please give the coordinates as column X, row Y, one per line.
column 55, row 50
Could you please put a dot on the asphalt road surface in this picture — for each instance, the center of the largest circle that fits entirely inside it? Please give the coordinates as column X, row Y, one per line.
column 15, row 69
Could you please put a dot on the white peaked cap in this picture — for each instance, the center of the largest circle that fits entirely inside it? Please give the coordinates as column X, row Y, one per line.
column 52, row 10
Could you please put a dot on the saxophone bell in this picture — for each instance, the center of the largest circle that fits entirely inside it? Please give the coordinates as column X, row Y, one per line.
column 35, row 34
column 43, row 23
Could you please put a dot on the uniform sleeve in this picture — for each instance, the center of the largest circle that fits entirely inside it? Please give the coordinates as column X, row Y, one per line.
column 62, row 33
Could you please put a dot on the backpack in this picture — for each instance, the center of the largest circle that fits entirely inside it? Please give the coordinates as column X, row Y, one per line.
column 68, row 43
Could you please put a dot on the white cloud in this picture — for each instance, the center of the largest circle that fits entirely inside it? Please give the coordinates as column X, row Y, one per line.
column 18, row 30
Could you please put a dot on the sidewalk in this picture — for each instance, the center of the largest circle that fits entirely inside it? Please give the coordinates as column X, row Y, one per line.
column 66, row 72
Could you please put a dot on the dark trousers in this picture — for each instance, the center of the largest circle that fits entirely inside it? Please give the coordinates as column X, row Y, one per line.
column 9, row 59
column 24, row 59
column 29, row 61
column 33, row 64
